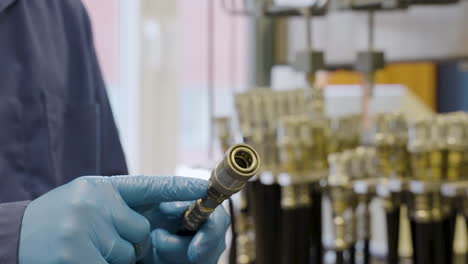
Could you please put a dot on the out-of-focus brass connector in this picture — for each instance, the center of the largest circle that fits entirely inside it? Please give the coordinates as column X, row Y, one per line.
column 421, row 188
column 418, row 146
column 245, row 246
column 399, row 153
column 223, row 130
column 438, row 148
column 346, row 133
column 430, row 153
column 384, row 141
column 243, row 105
column 363, row 172
column 307, row 145
column 270, row 149
column 455, row 185
column 315, row 102
column 288, row 146
column 339, row 192
column 391, row 139
column 456, row 145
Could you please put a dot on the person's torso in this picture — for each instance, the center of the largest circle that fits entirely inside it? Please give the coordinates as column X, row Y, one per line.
column 55, row 120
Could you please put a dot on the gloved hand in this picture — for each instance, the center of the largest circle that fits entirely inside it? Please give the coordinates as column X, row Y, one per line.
column 90, row 220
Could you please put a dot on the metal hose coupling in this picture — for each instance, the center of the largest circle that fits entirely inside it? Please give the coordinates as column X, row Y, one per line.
column 241, row 162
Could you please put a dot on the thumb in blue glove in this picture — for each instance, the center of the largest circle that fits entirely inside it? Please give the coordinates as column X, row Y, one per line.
column 91, row 219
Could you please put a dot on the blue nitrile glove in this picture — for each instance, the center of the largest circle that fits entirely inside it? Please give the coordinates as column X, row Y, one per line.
column 90, row 220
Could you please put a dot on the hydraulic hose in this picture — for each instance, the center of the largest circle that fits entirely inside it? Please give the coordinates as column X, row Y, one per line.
column 393, row 227
column 240, row 163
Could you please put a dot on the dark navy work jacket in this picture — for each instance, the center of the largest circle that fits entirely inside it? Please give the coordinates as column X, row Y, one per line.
column 55, row 120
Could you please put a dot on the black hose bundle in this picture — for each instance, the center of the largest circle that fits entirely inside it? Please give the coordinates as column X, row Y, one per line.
column 316, row 248
column 288, row 232
column 303, row 225
column 393, row 229
column 272, row 223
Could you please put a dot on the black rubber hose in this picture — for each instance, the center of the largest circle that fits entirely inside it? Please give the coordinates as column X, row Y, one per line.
column 233, row 251
column 366, row 253
column 272, row 223
column 340, row 258
column 288, row 239
column 316, row 249
column 393, row 229
column 250, row 197
column 422, row 236
column 443, row 236
column 352, row 254
column 303, row 224
column 276, row 219
column 448, row 229
column 267, row 224
column 438, row 252
column 256, row 209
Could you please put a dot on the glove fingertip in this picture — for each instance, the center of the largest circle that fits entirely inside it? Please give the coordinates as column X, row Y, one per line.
column 193, row 254
column 160, row 236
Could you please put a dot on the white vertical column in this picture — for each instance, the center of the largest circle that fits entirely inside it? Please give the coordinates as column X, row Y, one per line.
column 157, row 91
column 127, row 98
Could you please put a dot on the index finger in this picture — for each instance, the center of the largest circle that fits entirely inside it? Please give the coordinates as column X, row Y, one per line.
column 143, row 190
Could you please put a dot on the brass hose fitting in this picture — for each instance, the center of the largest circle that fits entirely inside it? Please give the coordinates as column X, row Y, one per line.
column 419, row 134
column 339, row 192
column 363, row 172
column 240, row 163
column 223, row 130
column 384, row 140
column 400, row 157
column 456, row 146
column 438, row 148
column 428, row 147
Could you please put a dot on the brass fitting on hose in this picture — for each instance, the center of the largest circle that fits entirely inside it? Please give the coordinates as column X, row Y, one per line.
column 339, row 192
column 346, row 133
column 419, row 146
column 320, row 126
column 455, row 187
column 400, row 158
column 243, row 104
column 245, row 245
column 384, row 141
column 429, row 151
column 270, row 155
column 240, row 163
column 223, row 130
column 419, row 136
column 363, row 170
column 438, row 148
column 288, row 147
column 456, row 145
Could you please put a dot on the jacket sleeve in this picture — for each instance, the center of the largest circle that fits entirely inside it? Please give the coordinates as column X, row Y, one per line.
column 11, row 216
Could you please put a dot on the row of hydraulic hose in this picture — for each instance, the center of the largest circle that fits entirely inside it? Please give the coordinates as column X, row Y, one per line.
column 291, row 133
column 414, row 161
column 433, row 146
